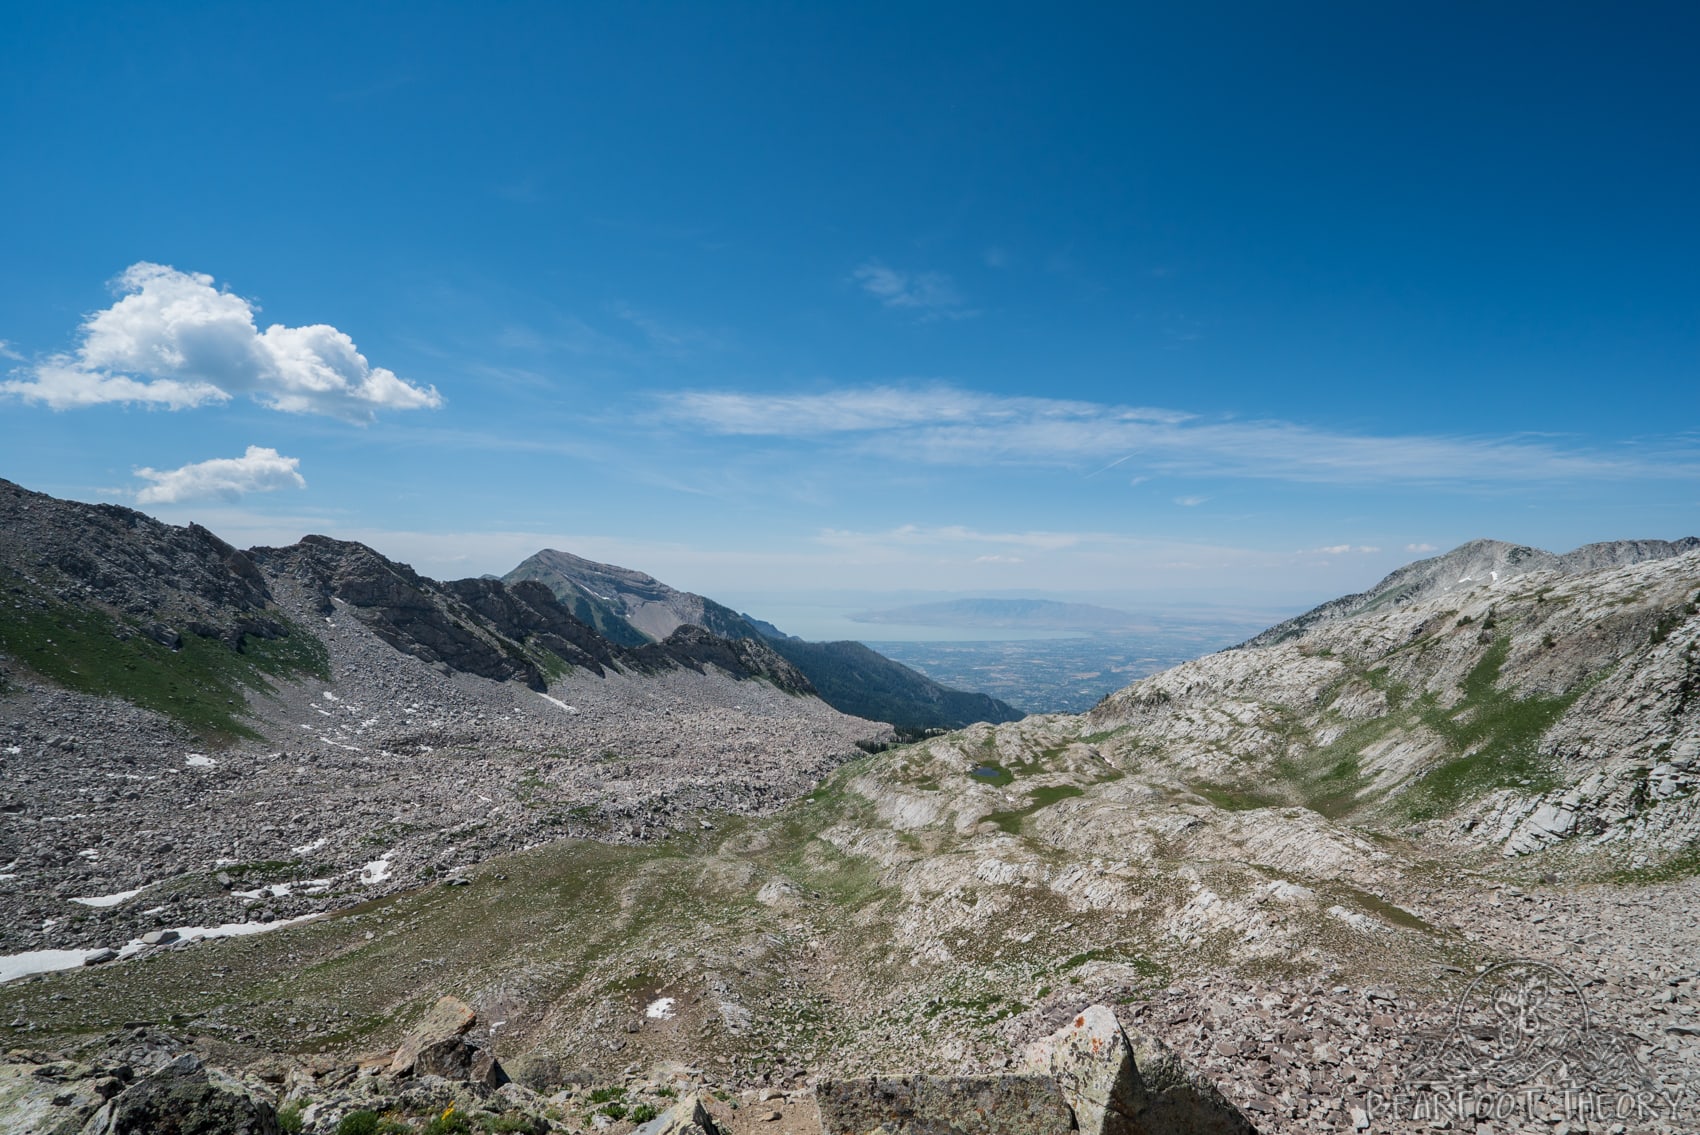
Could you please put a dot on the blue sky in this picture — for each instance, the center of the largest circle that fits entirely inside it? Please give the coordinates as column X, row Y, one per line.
column 1244, row 302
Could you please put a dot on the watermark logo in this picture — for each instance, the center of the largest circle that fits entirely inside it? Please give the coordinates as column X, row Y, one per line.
column 1522, row 1044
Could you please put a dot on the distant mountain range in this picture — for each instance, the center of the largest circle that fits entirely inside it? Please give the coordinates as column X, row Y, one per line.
column 631, row 607
column 1014, row 614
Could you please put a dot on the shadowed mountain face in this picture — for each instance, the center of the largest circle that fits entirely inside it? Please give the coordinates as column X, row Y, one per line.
column 849, row 676
column 1471, row 565
column 862, row 682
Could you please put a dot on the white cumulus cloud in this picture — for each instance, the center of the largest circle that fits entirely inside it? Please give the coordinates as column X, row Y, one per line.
column 260, row 470
column 175, row 341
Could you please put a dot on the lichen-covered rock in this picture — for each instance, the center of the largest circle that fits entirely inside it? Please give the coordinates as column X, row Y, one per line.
column 1118, row 1086
column 185, row 1098
column 538, row 1071
column 53, row 1098
column 929, row 1105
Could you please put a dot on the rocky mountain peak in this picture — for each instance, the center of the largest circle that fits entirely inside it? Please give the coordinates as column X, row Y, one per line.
column 1478, row 563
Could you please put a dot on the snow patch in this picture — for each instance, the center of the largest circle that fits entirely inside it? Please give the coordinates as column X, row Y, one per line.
column 559, row 702
column 196, row 760
column 13, row 966
column 377, row 871
column 661, row 1009
column 284, row 890
column 310, row 848
column 13, row 750
column 228, row 930
column 112, row 899
column 39, row 961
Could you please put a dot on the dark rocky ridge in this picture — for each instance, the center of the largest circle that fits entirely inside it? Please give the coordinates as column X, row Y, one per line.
column 406, row 610
column 179, row 578
column 1466, row 565
column 164, row 581
column 487, row 628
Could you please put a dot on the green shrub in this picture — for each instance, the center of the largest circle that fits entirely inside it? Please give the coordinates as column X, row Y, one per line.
column 289, row 1117
column 643, row 1113
column 358, row 1123
column 451, row 1122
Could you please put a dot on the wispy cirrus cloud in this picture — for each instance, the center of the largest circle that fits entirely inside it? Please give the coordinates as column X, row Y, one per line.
column 174, row 341
column 259, row 470
column 949, row 425
column 930, row 295
column 876, row 409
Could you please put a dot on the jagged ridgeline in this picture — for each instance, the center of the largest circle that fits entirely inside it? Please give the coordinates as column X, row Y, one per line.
column 629, row 606
column 109, row 601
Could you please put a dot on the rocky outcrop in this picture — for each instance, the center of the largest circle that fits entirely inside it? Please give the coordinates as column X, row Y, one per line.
column 52, row 1097
column 1114, row 1090
column 438, row 1046
column 687, row 1117
column 1469, row 565
column 1548, row 710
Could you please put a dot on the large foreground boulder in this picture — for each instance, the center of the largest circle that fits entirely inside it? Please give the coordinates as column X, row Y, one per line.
column 449, row 1017
column 1121, row 1086
column 456, row 1058
column 185, row 1098
column 687, row 1117
column 930, row 1105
